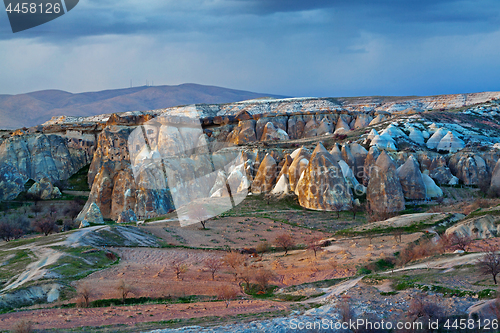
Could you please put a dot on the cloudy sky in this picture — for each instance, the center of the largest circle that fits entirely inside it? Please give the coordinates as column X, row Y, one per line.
column 288, row 47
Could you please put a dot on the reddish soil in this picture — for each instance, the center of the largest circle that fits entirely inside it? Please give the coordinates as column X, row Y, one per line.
column 131, row 315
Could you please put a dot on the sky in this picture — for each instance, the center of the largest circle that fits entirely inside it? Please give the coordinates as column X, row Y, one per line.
column 316, row 48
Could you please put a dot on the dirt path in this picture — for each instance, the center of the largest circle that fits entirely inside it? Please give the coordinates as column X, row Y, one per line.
column 335, row 290
column 131, row 315
column 45, row 256
column 445, row 263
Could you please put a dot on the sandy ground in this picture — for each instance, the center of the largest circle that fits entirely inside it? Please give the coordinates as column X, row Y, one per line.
column 131, row 315
column 234, row 232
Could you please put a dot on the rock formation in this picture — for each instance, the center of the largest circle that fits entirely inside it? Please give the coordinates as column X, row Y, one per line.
column 44, row 190
column 282, row 186
column 298, row 165
column 243, row 133
column 37, row 156
column 323, row 186
column 431, row 189
column 416, row 136
column 92, row 215
column 127, row 216
column 266, row 176
column 439, row 171
column 450, row 143
column 435, row 139
column 411, row 180
column 272, row 133
column 495, row 180
column 384, row 191
column 471, row 169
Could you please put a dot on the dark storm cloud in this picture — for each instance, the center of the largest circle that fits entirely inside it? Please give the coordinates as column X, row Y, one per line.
column 255, row 18
column 287, row 47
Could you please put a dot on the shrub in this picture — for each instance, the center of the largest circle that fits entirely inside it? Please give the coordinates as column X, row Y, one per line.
column 22, row 326
column 263, row 247
column 285, row 241
column 227, row 293
column 45, row 226
column 213, row 264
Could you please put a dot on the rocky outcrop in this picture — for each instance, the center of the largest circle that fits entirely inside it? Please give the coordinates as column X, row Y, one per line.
column 279, row 122
column 470, row 168
column 37, row 156
column 271, row 133
column 322, row 186
column 336, row 152
column 411, row 180
column 44, row 190
column 480, row 227
column 495, row 180
column 127, row 216
column 282, row 186
column 266, row 176
column 435, row 139
column 439, row 171
column 359, row 154
column 115, row 186
column 243, row 133
column 450, row 143
column 342, row 127
column 299, row 164
column 370, row 161
column 384, row 141
column 348, row 157
column 416, row 136
column 384, row 191
column 296, row 127
column 92, row 215
column 431, row 189
column 362, row 121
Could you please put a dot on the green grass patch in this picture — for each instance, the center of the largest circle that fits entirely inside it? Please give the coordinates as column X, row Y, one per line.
column 80, row 262
column 256, row 291
column 79, row 181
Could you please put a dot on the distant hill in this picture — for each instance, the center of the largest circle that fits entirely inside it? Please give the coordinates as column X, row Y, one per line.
column 34, row 108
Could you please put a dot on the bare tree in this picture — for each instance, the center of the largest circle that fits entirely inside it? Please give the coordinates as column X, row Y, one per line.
column 213, row 264
column 489, row 264
column 52, row 210
column 314, row 244
column 199, row 213
column 344, row 307
column 227, row 293
column 398, row 234
column 73, row 210
column 180, row 267
column 337, row 207
column 22, row 326
column 34, row 197
column 245, row 275
column 85, row 293
column 354, row 210
column 36, row 209
column 45, row 226
column 262, row 277
column 423, row 308
column 124, row 289
column 462, row 242
column 9, row 232
column 234, row 260
column 285, row 241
